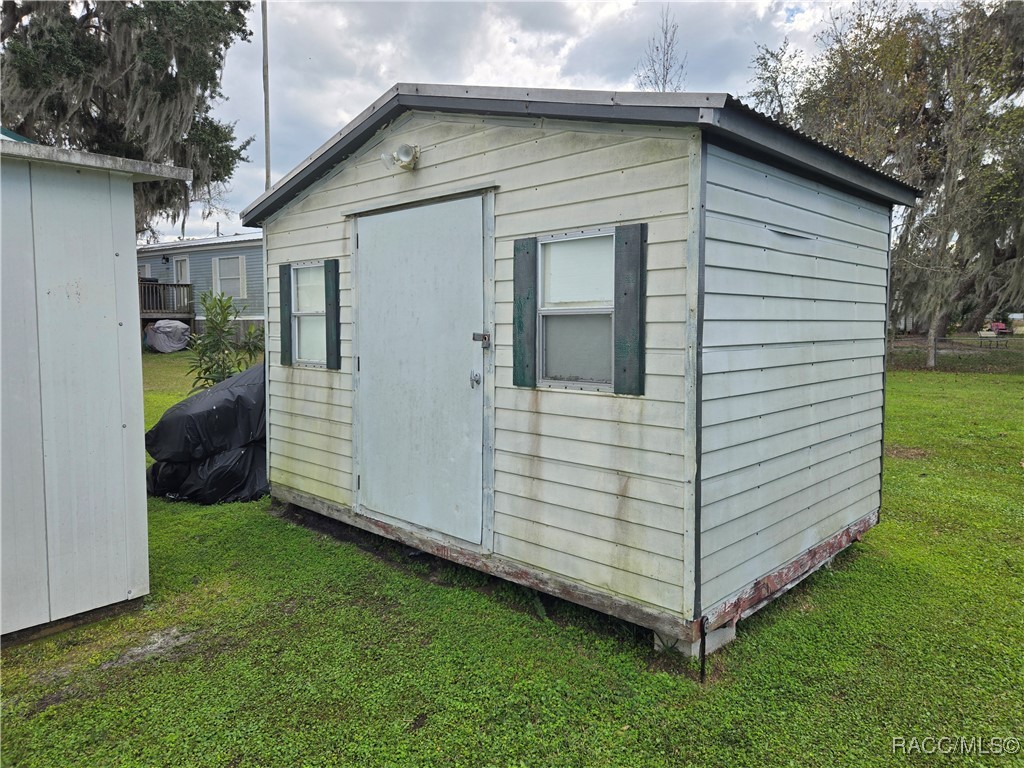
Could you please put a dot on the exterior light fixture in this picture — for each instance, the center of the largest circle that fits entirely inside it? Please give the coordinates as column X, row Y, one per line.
column 405, row 157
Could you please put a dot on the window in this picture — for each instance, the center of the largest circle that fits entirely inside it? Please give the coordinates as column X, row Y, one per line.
column 181, row 269
column 144, row 270
column 309, row 314
column 578, row 310
column 229, row 276
column 310, row 326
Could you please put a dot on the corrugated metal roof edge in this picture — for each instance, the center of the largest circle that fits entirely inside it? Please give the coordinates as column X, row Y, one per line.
column 718, row 113
column 200, row 242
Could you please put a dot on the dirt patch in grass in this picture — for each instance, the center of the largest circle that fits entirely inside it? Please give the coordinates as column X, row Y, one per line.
column 158, row 644
column 905, row 452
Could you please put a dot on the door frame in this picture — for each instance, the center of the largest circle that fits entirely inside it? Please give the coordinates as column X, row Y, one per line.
column 486, row 545
column 188, row 269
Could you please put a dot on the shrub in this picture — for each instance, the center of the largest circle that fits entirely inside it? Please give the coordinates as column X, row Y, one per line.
column 217, row 354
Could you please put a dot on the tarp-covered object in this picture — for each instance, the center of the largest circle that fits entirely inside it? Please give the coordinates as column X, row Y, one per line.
column 167, row 336
column 211, row 448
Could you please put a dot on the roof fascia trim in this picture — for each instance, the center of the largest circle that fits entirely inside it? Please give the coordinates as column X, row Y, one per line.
column 815, row 161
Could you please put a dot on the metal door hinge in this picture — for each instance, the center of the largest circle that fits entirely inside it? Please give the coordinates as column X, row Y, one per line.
column 484, row 339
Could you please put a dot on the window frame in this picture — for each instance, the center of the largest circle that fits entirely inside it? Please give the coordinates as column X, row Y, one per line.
column 241, row 276
column 145, row 270
column 295, row 315
column 542, row 313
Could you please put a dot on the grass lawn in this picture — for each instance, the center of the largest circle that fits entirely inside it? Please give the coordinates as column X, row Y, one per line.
column 267, row 643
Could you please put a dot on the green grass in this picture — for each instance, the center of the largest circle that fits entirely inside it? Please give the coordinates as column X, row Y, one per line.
column 286, row 646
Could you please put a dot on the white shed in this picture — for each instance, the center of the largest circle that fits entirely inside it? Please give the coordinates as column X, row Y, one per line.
column 73, row 464
column 624, row 348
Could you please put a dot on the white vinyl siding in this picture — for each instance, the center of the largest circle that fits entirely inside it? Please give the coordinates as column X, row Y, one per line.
column 588, row 486
column 794, row 330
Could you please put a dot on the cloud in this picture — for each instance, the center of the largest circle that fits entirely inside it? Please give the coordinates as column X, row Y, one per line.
column 330, row 60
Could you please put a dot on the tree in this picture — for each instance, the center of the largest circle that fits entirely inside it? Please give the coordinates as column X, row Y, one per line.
column 937, row 99
column 660, row 68
column 776, row 83
column 135, row 80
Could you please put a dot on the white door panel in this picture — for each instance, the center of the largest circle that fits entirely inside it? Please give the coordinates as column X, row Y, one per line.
column 419, row 409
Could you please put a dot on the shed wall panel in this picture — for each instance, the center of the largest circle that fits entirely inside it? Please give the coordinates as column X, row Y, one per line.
column 793, row 358
column 26, row 600
column 616, row 465
column 79, row 352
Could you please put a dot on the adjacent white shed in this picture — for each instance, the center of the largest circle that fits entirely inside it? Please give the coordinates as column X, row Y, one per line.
column 627, row 349
column 73, row 485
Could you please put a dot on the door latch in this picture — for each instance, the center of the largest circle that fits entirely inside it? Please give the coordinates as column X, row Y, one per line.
column 474, row 379
column 484, row 339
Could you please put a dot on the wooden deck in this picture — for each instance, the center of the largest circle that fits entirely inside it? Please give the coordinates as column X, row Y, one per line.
column 166, row 301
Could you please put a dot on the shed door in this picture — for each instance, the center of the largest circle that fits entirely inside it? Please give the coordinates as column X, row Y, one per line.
column 419, row 405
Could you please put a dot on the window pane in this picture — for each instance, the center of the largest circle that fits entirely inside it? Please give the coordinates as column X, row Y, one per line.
column 312, row 341
column 231, row 286
column 228, row 267
column 579, row 272
column 578, row 348
column 309, row 289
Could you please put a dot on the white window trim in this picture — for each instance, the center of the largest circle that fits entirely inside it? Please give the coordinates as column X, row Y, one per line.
column 241, row 275
column 296, row 360
column 188, row 269
column 576, row 386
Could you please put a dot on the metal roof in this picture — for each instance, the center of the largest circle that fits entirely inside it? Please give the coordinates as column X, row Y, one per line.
column 199, row 243
column 719, row 114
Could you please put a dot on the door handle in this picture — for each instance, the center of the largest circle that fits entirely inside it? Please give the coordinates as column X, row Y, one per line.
column 474, row 379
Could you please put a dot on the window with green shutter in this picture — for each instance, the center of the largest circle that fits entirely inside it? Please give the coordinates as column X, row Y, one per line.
column 578, row 311
column 310, row 314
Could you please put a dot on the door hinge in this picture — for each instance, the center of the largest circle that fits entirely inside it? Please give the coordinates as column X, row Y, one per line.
column 357, row 240
column 358, row 481
column 357, row 365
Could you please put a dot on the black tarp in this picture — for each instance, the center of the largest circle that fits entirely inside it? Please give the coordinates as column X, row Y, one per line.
column 211, row 447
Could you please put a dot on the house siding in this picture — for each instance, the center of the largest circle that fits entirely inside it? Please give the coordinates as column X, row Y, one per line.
column 587, row 486
column 200, row 266
column 792, row 389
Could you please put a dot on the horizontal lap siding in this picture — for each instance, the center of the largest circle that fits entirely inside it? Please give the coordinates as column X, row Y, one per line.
column 793, row 343
column 587, row 486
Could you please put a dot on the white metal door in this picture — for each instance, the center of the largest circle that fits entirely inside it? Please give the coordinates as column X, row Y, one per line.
column 419, row 391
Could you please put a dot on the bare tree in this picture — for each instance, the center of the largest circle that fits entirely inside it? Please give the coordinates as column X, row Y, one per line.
column 661, row 68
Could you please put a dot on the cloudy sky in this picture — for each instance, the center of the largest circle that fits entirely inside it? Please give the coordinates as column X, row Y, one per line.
column 330, row 60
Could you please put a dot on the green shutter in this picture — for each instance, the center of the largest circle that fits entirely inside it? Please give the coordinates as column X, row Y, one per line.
column 285, row 298
column 524, row 313
column 333, row 312
column 630, row 293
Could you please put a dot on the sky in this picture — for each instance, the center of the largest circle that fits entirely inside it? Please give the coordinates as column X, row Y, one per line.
column 330, row 60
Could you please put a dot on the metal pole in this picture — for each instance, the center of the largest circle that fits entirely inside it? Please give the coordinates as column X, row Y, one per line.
column 266, row 94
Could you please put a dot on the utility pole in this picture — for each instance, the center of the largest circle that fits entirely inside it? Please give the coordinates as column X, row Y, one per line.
column 266, row 95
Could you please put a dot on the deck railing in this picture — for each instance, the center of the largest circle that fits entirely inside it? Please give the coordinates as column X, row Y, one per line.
column 166, row 300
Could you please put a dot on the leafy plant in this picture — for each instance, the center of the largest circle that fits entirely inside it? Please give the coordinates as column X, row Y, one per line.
column 217, row 353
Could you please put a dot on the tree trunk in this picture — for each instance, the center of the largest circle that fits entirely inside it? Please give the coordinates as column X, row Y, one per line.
column 936, row 330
